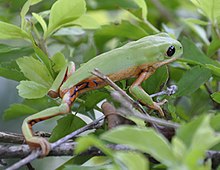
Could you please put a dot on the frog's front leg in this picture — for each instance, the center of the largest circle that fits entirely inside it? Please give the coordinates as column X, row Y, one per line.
column 138, row 92
column 34, row 141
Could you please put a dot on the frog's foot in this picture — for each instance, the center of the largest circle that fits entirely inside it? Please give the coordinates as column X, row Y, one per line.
column 156, row 106
column 36, row 142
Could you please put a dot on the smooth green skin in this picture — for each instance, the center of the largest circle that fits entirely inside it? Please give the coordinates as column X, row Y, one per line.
column 150, row 51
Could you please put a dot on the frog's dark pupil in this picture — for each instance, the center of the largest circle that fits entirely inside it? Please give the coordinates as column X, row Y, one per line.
column 170, row 51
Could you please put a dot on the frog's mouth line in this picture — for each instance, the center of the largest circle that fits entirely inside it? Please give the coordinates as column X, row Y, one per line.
column 156, row 65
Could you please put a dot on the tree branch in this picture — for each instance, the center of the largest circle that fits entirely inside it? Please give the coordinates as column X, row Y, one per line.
column 67, row 149
column 37, row 153
column 11, row 138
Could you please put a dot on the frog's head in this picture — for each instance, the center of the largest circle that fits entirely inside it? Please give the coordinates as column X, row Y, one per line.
column 170, row 49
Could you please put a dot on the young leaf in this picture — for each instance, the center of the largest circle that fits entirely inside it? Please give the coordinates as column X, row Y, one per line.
column 143, row 139
column 9, row 31
column 25, row 10
column 31, row 90
column 34, row 70
column 192, row 80
column 41, row 21
column 63, row 12
column 65, row 126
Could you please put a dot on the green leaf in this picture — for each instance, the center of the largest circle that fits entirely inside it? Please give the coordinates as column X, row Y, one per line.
column 63, row 12
column 187, row 131
column 203, row 139
column 198, row 137
column 197, row 21
column 11, row 71
column 35, row 70
column 33, row 2
column 41, row 21
column 211, row 138
column 8, row 67
column 215, row 70
column 86, row 22
column 93, row 98
column 192, row 80
column 85, row 142
column 39, row 54
column 215, row 122
column 80, row 167
column 120, row 30
column 9, row 53
column 9, row 31
column 210, row 9
column 59, row 61
column 199, row 30
column 213, row 47
column 153, row 84
column 97, row 161
column 31, row 90
column 216, row 96
column 136, row 7
column 132, row 160
column 18, row 110
column 25, row 10
column 192, row 52
column 142, row 13
column 41, row 103
column 65, row 126
column 143, row 139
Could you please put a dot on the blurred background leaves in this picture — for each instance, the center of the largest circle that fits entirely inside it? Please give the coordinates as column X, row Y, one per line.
column 30, row 34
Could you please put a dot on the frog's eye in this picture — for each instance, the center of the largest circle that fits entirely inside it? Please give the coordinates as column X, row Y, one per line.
column 170, row 51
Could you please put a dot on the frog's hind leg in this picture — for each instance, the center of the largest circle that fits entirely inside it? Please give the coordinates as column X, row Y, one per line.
column 34, row 141
column 138, row 92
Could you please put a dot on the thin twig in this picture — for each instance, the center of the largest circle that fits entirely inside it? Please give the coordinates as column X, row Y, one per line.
column 97, row 73
column 36, row 153
column 128, row 111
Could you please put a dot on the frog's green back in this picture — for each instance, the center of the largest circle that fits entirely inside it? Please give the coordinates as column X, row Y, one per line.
column 147, row 50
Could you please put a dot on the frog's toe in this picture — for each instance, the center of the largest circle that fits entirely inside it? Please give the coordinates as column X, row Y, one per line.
column 36, row 142
column 156, row 106
column 45, row 146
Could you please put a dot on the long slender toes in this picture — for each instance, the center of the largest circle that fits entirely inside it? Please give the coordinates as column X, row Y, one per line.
column 157, row 107
column 45, row 146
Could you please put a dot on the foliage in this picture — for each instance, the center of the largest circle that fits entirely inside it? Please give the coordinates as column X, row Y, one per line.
column 36, row 45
